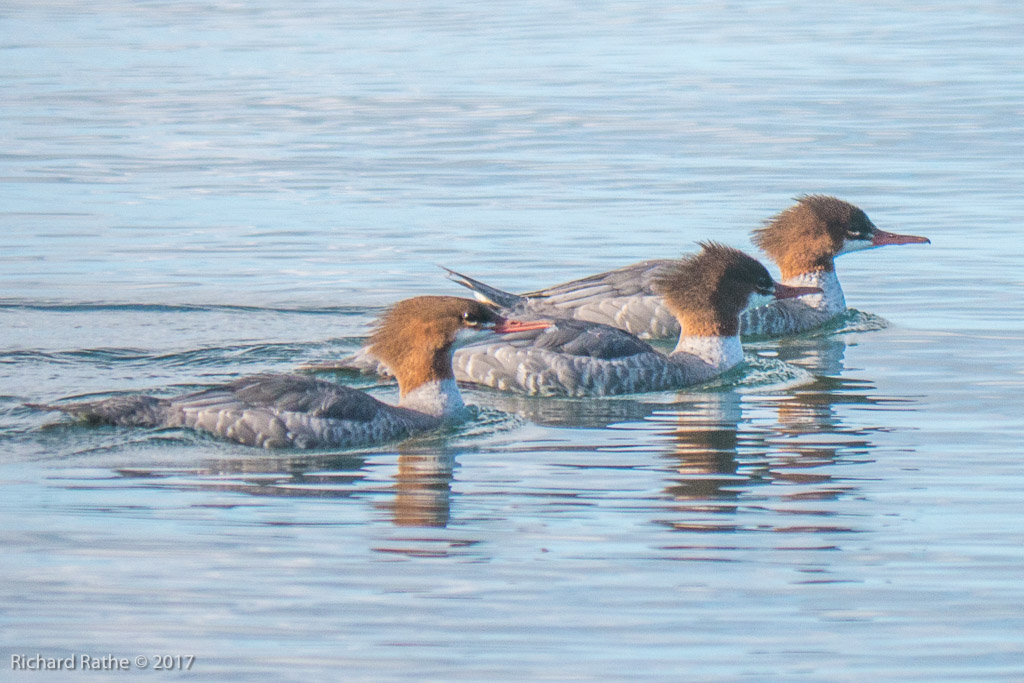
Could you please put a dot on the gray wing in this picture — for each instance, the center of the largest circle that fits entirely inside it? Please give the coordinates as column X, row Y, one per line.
column 286, row 393
column 273, row 411
column 633, row 280
column 571, row 358
column 269, row 411
column 569, row 337
column 623, row 298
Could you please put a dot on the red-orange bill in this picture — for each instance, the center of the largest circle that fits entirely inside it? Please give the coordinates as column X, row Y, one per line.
column 508, row 326
column 881, row 238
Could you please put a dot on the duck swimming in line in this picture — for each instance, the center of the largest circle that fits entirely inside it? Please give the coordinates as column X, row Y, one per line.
column 706, row 292
column 803, row 240
column 414, row 339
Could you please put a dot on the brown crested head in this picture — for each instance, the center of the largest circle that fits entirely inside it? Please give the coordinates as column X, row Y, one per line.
column 708, row 290
column 414, row 338
column 807, row 236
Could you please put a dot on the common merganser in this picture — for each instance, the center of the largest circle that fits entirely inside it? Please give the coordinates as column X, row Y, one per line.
column 414, row 340
column 706, row 293
column 803, row 240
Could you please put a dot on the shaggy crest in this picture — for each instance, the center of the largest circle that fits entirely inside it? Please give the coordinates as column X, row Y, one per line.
column 808, row 235
column 414, row 337
column 708, row 290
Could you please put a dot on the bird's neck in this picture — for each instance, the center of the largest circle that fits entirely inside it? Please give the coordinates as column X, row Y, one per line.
column 720, row 352
column 436, row 397
column 831, row 298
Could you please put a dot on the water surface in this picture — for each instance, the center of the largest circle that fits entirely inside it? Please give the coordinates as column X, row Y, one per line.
column 194, row 192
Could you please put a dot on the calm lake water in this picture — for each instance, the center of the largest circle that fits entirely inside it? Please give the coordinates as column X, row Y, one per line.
column 190, row 192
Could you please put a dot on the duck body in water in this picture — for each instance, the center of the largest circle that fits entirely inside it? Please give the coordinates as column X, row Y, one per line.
column 706, row 293
column 414, row 339
column 804, row 241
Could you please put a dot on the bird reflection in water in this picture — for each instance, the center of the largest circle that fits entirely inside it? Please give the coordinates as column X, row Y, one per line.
column 705, row 435
column 419, row 494
column 738, row 459
column 771, row 453
column 422, row 489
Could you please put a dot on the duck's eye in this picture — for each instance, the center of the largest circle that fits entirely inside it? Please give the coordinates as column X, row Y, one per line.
column 854, row 235
column 470, row 319
column 765, row 286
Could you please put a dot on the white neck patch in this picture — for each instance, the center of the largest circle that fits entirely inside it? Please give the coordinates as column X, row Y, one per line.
column 831, row 298
column 721, row 353
column 440, row 398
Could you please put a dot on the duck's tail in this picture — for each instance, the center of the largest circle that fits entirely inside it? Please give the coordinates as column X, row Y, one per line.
column 135, row 411
column 485, row 293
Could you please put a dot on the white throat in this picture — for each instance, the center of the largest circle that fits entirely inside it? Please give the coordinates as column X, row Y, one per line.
column 439, row 398
column 831, row 299
column 721, row 353
column 850, row 246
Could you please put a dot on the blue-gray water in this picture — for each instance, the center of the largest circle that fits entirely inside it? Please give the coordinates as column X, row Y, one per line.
column 190, row 192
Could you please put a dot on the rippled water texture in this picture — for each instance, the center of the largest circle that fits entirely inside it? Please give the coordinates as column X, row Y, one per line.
column 190, row 192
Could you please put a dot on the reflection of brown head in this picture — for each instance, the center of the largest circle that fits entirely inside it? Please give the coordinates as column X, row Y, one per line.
column 422, row 490
column 704, row 438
